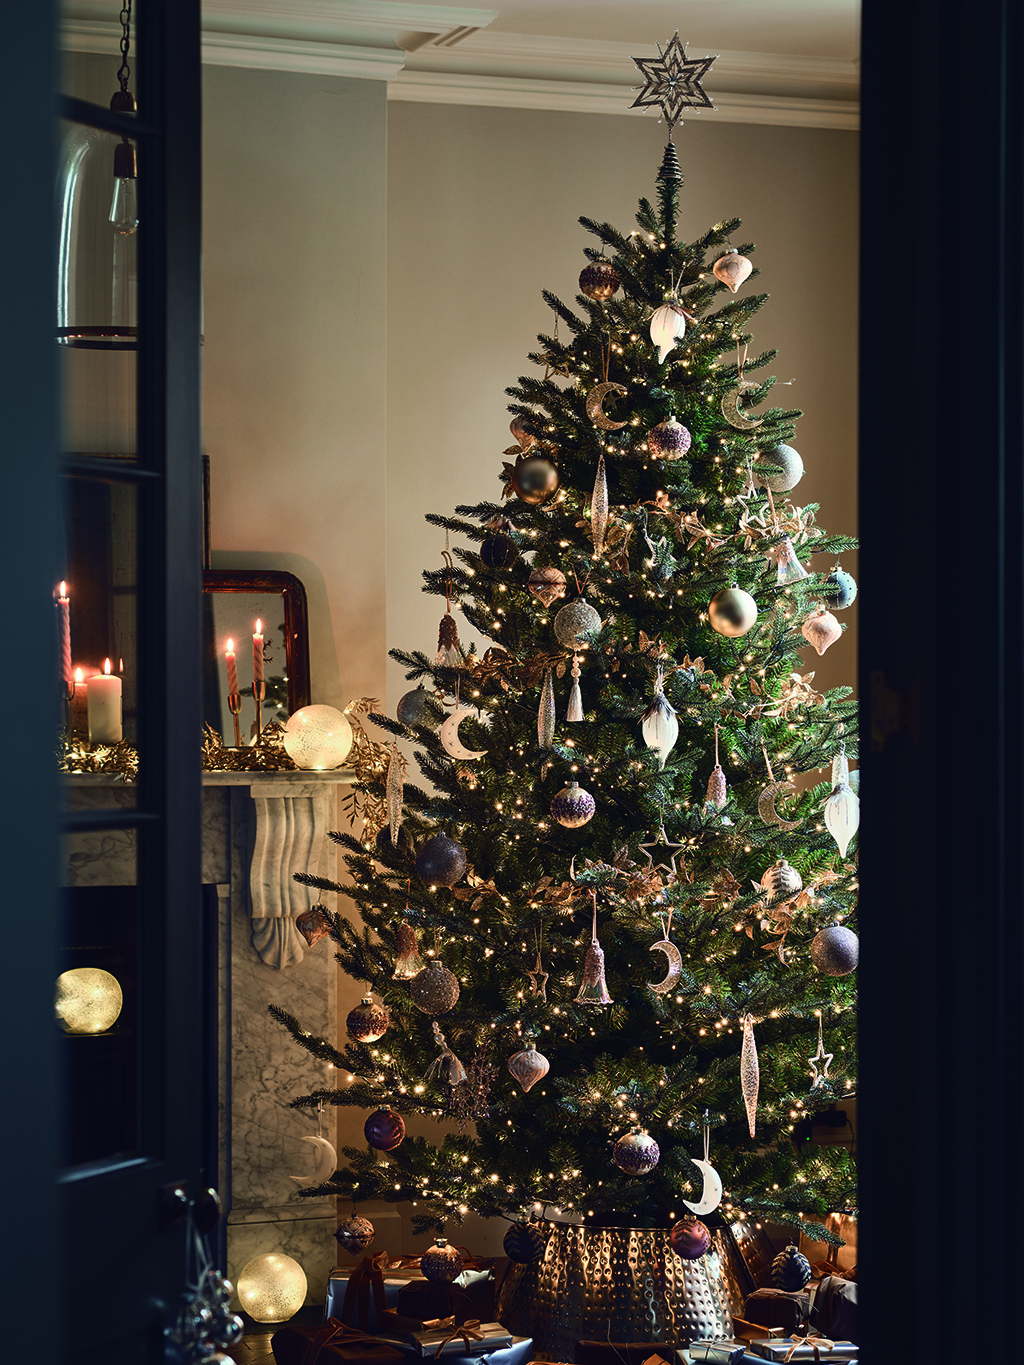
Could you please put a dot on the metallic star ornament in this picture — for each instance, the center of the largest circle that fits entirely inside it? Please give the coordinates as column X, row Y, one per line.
column 662, row 845
column 820, row 1056
column 673, row 81
column 538, row 980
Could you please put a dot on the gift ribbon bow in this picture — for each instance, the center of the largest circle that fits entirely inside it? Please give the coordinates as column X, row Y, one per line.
column 816, row 1343
column 468, row 1332
column 335, row 1331
column 432, row 1324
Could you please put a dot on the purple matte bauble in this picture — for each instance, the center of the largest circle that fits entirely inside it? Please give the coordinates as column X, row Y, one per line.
column 573, row 806
column 636, row 1153
column 441, row 861
column 689, row 1238
column 384, row 1130
column 669, row 440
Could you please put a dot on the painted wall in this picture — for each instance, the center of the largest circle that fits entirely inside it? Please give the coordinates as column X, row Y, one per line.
column 482, row 214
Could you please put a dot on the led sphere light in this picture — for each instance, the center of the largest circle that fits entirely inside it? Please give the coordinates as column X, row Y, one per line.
column 272, row 1287
column 317, row 737
column 88, row 1000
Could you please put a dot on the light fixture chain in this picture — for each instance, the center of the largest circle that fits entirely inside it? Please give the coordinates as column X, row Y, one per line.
column 124, row 71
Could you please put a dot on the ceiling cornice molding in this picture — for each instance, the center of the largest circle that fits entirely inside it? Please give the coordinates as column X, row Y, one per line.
column 506, row 92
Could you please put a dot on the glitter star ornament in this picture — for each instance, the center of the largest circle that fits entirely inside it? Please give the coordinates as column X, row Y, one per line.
column 673, row 81
column 820, row 1062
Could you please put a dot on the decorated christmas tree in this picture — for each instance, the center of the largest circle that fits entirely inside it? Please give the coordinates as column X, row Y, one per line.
column 639, row 763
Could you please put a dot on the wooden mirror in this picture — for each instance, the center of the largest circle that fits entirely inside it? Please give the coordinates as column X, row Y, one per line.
column 233, row 600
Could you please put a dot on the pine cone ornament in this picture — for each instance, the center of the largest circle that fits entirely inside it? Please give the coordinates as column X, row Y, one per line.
column 636, row 1152
column 524, row 1242
column 790, row 1270
column 528, row 1066
column 435, row 990
column 384, row 1130
column 368, row 1021
column 441, row 1263
column 354, row 1234
column 689, row 1238
column 718, row 791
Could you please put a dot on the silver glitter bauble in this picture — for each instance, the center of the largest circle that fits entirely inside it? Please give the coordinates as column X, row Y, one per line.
column 435, row 990
column 790, row 464
column 575, row 620
column 835, row 951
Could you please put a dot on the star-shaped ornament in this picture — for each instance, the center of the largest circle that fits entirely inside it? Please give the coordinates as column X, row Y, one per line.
column 673, row 81
column 661, row 845
column 820, row 1056
column 538, row 980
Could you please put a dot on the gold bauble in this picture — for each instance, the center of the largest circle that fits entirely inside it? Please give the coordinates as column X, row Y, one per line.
column 732, row 612
column 534, row 480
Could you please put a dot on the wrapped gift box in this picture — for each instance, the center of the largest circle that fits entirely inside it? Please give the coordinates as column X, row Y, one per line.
column 331, row 1345
column 779, row 1348
column 624, row 1352
column 470, row 1296
column 730, row 1351
column 494, row 1337
column 519, row 1353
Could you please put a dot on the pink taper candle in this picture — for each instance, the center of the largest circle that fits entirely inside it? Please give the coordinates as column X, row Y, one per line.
column 64, row 617
column 229, row 656
column 257, row 653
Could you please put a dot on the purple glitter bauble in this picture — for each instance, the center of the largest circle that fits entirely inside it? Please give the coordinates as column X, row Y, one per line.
column 689, row 1238
column 573, row 806
column 668, row 440
column 835, row 951
column 441, row 860
column 636, row 1153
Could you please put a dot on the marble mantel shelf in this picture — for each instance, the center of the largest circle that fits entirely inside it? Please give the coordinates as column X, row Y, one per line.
column 287, row 777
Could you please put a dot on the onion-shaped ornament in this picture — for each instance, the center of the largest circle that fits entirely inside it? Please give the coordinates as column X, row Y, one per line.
column 547, row 584
column 669, row 440
column 790, row 468
column 668, row 326
column 408, row 962
column 441, row 1263
column 842, row 815
column 573, row 806
column 354, row 1234
column 599, row 280
column 534, row 480
column 689, row 1238
column 518, row 428
column 791, row 1270
column 435, row 990
column 416, row 708
column 441, row 861
column 659, row 725
column 732, row 269
column 781, row 881
column 524, row 1243
column 732, row 612
column 835, row 951
column 842, row 588
column 636, row 1152
column 384, row 1130
column 528, row 1066
column 368, row 1021
column 574, row 621
column 821, row 629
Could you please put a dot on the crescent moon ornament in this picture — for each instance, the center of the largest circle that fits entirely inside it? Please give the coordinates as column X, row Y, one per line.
column 673, row 956
column 766, row 805
column 326, row 1163
column 711, row 1195
column 595, row 406
column 449, row 735
column 731, row 412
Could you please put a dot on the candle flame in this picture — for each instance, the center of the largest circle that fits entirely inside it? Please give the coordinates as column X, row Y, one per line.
column 62, row 591
column 259, row 626
column 78, row 675
column 231, row 647
column 106, row 665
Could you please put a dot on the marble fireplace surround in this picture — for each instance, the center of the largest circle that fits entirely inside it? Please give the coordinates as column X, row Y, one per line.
column 258, row 829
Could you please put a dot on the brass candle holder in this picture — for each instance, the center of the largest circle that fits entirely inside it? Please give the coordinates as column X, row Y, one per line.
column 234, row 706
column 69, row 696
column 259, row 691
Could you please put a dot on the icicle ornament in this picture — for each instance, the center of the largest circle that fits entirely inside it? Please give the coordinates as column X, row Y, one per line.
column 394, row 791
column 659, row 724
column 750, row 1071
column 599, row 508
column 546, row 713
column 593, row 988
column 575, row 711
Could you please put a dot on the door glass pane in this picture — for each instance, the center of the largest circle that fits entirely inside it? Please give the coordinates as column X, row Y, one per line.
column 96, row 993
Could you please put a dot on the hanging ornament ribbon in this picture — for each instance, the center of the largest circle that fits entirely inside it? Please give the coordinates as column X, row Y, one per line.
column 593, row 988
column 575, row 711
column 750, row 1071
column 599, row 508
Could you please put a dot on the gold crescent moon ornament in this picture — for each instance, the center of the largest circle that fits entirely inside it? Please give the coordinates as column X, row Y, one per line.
column 766, row 805
column 595, row 405
column 730, row 408
column 675, row 966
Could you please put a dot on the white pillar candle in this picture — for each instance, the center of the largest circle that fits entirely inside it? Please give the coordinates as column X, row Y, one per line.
column 104, row 702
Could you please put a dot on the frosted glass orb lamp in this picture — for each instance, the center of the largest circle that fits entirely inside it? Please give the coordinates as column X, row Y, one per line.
column 318, row 737
column 272, row 1287
column 88, row 1000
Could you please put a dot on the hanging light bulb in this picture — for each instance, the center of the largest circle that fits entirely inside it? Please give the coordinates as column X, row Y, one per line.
column 124, row 207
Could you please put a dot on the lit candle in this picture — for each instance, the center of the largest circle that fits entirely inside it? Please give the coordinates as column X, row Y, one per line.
column 64, row 626
column 104, row 694
column 257, row 653
column 229, row 655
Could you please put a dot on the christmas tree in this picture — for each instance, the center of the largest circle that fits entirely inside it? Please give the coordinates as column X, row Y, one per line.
column 637, row 725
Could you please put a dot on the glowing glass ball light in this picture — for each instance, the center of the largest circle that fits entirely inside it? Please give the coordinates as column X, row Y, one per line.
column 88, row 1000
column 272, row 1288
column 318, row 737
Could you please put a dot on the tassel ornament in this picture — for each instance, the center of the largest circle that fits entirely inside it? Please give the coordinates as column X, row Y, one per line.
column 575, row 711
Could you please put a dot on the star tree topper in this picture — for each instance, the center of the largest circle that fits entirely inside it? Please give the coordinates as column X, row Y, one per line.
column 673, row 81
